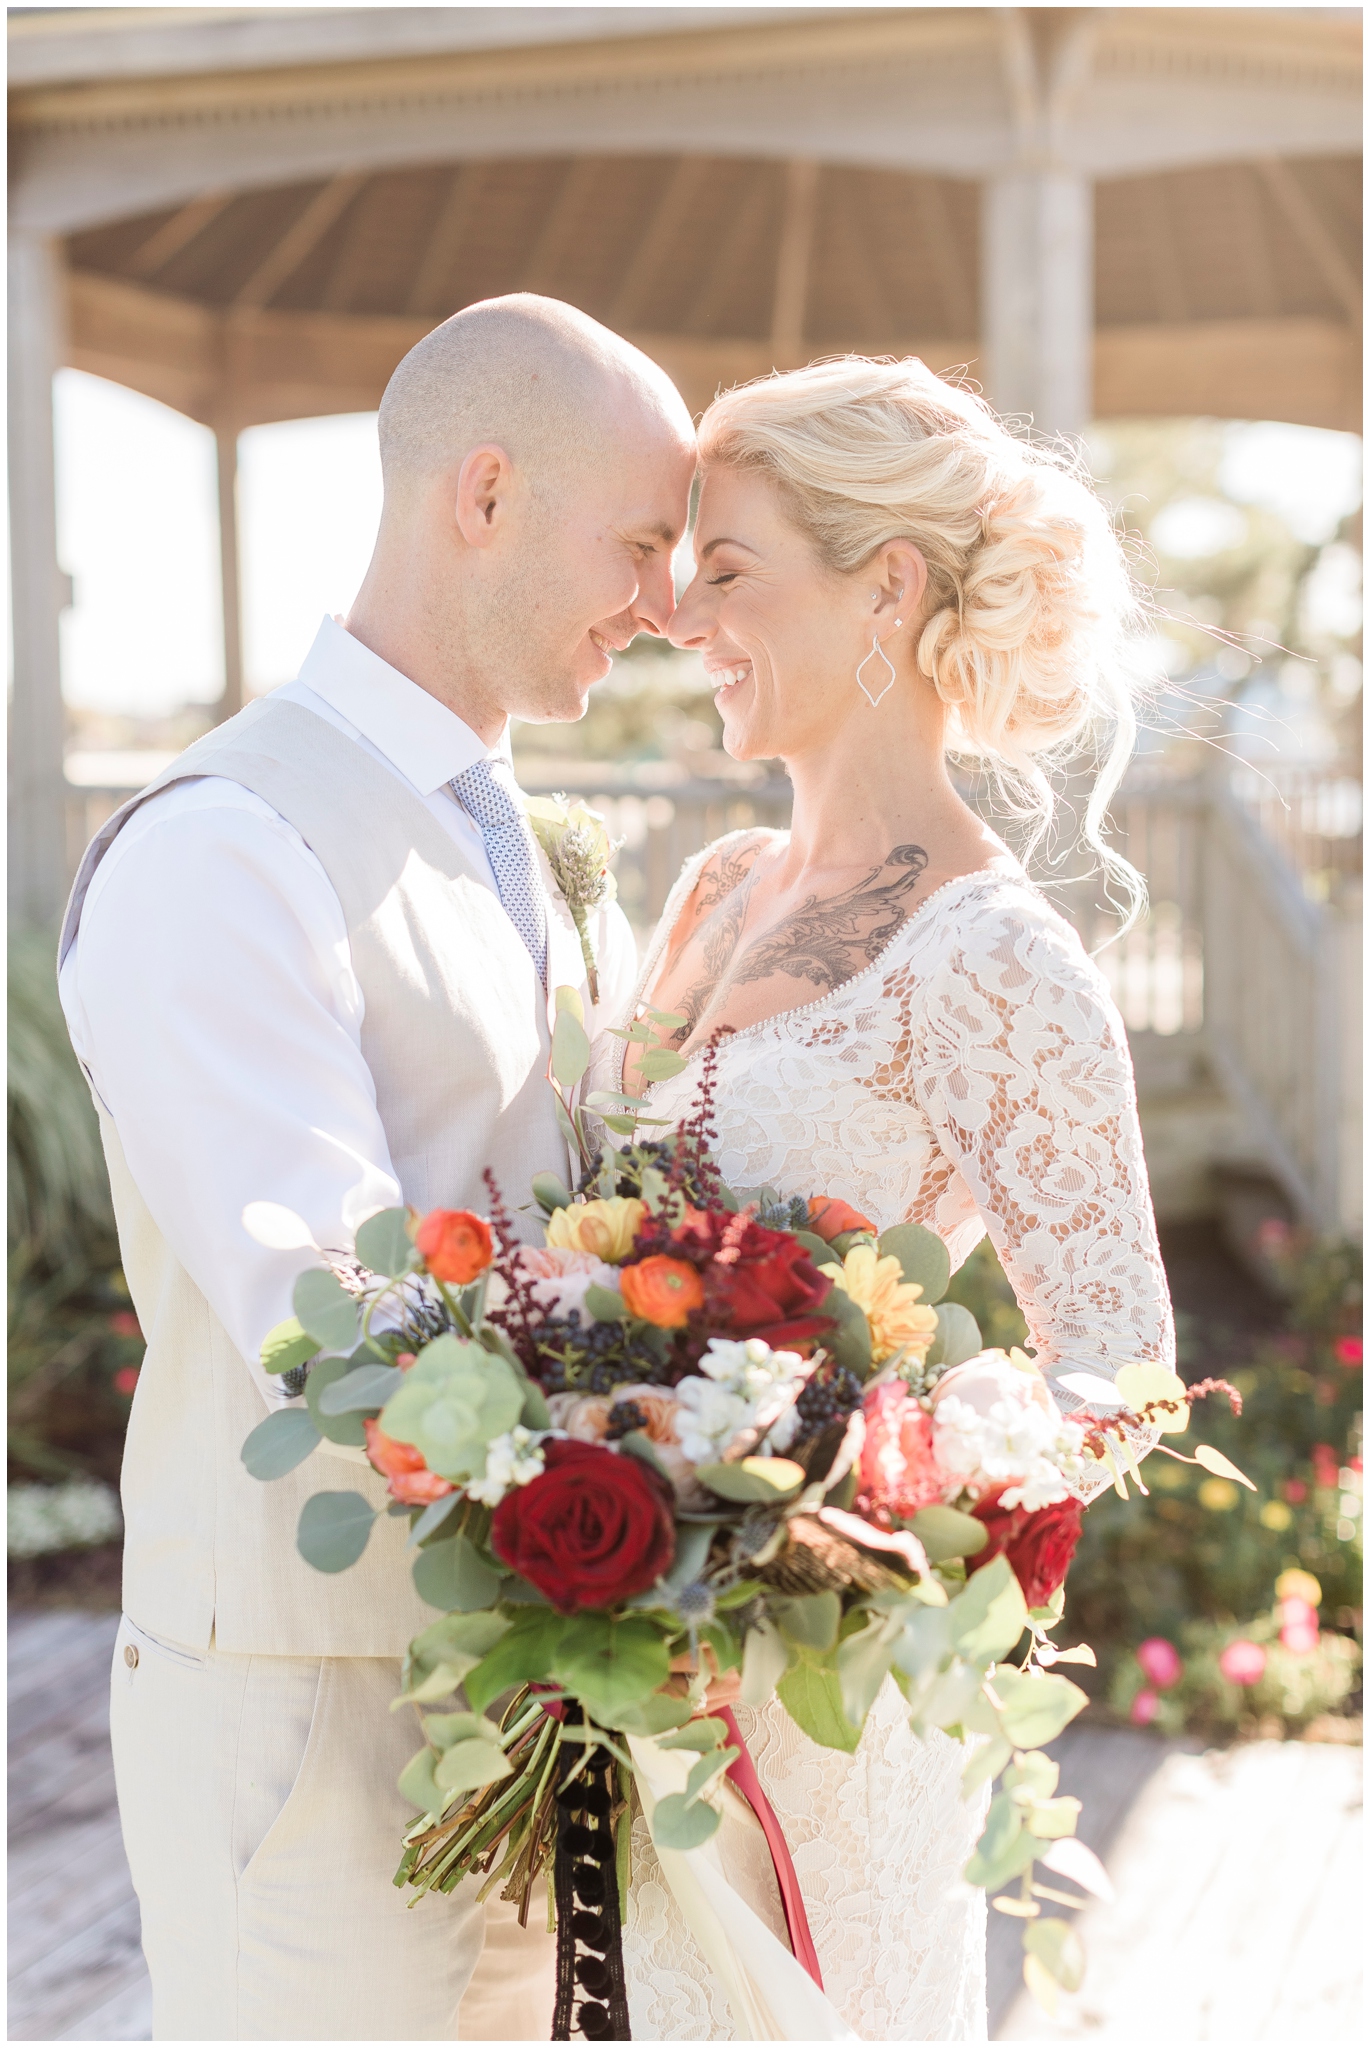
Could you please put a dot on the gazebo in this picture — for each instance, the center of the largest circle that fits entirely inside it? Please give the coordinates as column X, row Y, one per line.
column 251, row 215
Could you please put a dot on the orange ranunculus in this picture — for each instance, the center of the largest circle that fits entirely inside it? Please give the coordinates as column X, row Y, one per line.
column 410, row 1479
column 455, row 1244
column 829, row 1218
column 662, row 1291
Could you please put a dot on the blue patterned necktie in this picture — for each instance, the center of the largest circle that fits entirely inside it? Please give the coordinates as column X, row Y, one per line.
column 488, row 793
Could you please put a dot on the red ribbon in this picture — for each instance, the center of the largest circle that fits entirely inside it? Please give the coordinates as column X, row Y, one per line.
column 742, row 1772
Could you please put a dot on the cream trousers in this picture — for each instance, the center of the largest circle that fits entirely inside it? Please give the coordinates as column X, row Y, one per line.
column 262, row 1824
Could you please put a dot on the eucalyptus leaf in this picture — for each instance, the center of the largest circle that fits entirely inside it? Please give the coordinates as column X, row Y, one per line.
column 809, row 1619
column 765, row 1660
column 753, row 1479
column 989, row 1758
column 958, row 1336
column 922, row 1255
column 443, row 1730
column 418, row 1786
column 441, row 1655
column 710, row 1766
column 570, row 1049
column 451, row 1574
column 363, row 1391
column 1052, row 1819
column 469, row 1764
column 702, row 1734
column 333, row 1530
column 566, row 998
column 534, row 1412
column 432, row 1518
column 863, row 1660
column 1057, row 1948
column 384, row 1245
column 818, row 1248
column 637, row 1444
column 339, row 1429
column 550, row 1193
column 946, row 1532
column 655, row 1715
column 1036, row 1709
column 325, row 1309
column 287, row 1346
column 606, row 1305
column 659, row 1063
column 850, row 1343
column 677, row 1823
column 988, row 1618
column 279, row 1444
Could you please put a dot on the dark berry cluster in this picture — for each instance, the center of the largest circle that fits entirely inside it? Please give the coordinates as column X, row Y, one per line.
column 832, row 1393
column 590, row 1357
column 624, row 1417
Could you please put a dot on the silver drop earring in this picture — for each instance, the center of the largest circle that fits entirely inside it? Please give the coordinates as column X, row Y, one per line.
column 876, row 648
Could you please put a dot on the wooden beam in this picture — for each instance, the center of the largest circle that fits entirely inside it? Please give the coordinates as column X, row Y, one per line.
column 1298, row 209
column 545, row 262
column 304, row 234
column 793, row 256
column 749, row 218
column 657, row 246
column 177, row 233
column 428, row 293
column 298, row 365
column 1254, row 242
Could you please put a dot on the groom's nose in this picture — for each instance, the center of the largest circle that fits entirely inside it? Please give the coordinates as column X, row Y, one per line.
column 651, row 609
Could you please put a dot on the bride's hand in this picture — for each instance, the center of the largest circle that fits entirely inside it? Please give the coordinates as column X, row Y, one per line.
column 723, row 1687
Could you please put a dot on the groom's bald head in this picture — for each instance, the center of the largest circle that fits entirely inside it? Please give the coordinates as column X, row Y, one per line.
column 537, row 377
column 537, row 472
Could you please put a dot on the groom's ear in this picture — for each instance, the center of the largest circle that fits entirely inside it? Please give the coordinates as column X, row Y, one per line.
column 483, row 487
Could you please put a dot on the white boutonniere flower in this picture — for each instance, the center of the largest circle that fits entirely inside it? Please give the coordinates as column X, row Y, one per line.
column 576, row 842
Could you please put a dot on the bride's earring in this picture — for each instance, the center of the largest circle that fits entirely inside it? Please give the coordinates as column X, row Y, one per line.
column 876, row 648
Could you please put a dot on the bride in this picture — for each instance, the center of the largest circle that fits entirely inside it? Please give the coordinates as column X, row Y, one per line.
column 885, row 574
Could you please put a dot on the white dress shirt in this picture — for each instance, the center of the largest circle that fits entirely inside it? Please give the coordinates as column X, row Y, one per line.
column 211, row 1000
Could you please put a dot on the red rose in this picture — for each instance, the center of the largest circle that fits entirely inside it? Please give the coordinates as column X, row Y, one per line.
column 757, row 1282
column 1038, row 1545
column 455, row 1245
column 595, row 1527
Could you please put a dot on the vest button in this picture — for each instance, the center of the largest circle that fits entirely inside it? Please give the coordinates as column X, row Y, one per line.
column 131, row 1656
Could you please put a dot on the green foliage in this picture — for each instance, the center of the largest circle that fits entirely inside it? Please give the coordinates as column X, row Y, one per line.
column 333, row 1530
column 981, row 1286
column 280, row 1443
column 1296, row 1687
column 58, row 1188
column 452, row 1576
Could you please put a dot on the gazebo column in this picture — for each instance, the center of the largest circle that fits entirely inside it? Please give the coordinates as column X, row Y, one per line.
column 1037, row 292
column 37, row 827
column 226, row 451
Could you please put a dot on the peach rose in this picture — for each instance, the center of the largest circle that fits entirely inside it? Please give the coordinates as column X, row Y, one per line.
column 410, row 1479
column 662, row 1290
column 585, row 1417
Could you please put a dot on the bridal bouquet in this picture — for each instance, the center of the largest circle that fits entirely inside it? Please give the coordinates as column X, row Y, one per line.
column 695, row 1431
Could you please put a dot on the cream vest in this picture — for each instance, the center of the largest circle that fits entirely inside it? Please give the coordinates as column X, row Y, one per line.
column 456, row 1037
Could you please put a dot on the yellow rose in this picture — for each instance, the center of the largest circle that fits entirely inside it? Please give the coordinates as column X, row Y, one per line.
column 892, row 1305
column 606, row 1228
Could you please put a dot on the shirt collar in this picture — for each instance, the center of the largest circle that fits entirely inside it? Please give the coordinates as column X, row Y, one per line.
column 427, row 743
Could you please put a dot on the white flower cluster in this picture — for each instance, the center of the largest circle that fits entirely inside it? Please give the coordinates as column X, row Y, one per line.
column 510, row 1460
column 747, row 1386
column 47, row 1518
column 1032, row 1452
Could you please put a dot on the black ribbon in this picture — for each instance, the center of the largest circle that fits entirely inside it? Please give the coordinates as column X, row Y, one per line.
column 592, row 1997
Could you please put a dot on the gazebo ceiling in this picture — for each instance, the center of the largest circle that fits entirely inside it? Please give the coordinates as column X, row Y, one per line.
column 327, row 282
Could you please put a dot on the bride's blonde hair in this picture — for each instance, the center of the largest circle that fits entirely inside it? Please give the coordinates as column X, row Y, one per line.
column 1029, row 604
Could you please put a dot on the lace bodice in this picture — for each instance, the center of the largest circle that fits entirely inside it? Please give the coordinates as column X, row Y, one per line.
column 975, row 1077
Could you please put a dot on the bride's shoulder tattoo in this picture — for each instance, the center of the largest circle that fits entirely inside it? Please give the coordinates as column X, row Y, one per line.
column 830, row 938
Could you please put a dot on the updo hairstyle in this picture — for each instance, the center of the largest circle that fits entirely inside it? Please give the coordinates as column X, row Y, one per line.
column 1029, row 605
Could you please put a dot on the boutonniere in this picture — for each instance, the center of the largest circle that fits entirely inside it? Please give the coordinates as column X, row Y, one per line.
column 576, row 842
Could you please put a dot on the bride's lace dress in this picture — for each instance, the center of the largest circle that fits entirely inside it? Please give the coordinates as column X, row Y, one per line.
column 975, row 1077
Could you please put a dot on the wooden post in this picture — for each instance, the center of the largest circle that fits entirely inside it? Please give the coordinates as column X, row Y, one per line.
column 226, row 450
column 1038, row 297
column 37, row 829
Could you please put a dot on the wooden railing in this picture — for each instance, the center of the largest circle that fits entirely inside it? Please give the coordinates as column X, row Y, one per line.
column 1250, row 945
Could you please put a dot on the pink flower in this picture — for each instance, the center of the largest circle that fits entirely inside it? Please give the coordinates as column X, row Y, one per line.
column 1242, row 1663
column 124, row 1323
column 1349, row 1351
column 899, row 1471
column 991, row 1376
column 1144, row 1708
column 1298, row 1626
column 1295, row 1491
column 126, row 1379
column 1160, row 1662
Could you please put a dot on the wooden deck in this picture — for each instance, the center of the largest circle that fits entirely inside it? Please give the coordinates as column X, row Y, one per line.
column 1237, row 1917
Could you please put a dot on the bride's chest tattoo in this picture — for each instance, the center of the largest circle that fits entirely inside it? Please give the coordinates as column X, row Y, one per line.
column 821, row 941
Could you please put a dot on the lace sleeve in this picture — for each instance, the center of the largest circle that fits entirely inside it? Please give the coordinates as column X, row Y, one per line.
column 1024, row 1073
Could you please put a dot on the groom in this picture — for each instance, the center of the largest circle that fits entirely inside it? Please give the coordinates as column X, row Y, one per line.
column 312, row 965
